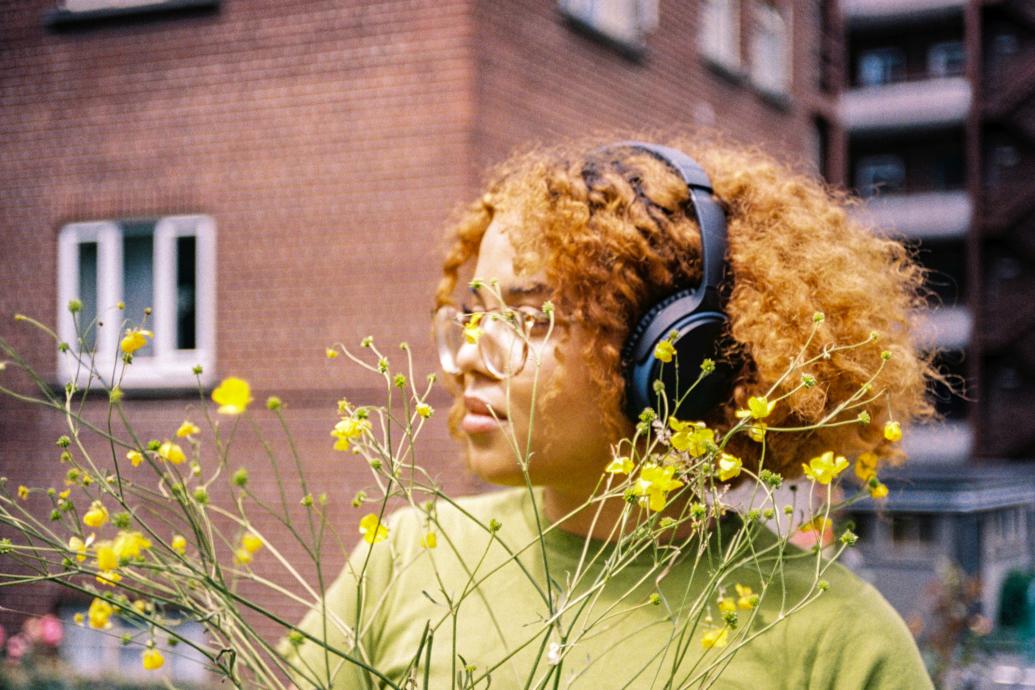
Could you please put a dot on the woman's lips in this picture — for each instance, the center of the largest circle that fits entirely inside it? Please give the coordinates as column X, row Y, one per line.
column 479, row 419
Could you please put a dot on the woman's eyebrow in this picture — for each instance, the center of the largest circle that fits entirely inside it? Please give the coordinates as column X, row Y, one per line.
column 510, row 292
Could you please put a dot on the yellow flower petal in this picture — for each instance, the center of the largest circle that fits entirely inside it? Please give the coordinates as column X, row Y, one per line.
column 251, row 542
column 232, row 395
column 622, row 465
column 152, row 659
column 665, row 351
column 96, row 516
column 372, row 529
column 23, row 492
column 879, row 492
column 716, row 639
column 187, row 429
column 99, row 614
column 135, row 457
column 866, row 466
column 178, row 544
column 171, row 452
column 729, row 466
column 893, row 431
column 134, row 339
column 429, row 540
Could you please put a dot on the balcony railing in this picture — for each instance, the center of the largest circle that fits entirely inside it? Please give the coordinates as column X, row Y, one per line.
column 906, row 106
column 924, row 216
column 858, row 12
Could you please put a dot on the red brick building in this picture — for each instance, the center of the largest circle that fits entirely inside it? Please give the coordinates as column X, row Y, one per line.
column 273, row 177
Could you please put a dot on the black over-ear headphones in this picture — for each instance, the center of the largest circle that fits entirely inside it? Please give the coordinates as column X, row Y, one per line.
column 695, row 315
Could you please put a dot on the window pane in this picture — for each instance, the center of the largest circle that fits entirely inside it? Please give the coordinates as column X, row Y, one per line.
column 186, row 293
column 138, row 273
column 88, row 293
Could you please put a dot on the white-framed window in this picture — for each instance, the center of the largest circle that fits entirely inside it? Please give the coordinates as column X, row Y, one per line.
column 720, row 32
column 946, row 59
column 167, row 264
column 625, row 21
column 881, row 66
column 770, row 48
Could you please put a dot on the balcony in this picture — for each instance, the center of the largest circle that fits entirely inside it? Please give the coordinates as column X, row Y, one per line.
column 944, row 328
column 945, row 443
column 906, row 106
column 922, row 216
column 878, row 12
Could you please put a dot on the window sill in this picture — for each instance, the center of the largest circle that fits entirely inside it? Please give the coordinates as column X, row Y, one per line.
column 729, row 71
column 635, row 51
column 58, row 18
column 781, row 100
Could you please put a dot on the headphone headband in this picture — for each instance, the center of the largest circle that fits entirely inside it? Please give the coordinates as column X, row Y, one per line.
column 695, row 315
column 710, row 218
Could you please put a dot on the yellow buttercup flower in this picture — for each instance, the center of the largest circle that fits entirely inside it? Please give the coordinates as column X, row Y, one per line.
column 187, row 429
column 691, row 437
column 372, row 529
column 129, row 545
column 727, row 605
column 729, row 466
column 348, row 429
column 99, row 614
column 654, row 484
column 893, row 431
column 818, row 524
column 756, row 432
column 716, row 639
column 96, row 516
column 243, row 556
column 866, row 466
column 23, row 492
column 78, row 618
column 251, row 542
column 665, row 351
column 135, row 457
column 424, row 410
column 152, row 659
column 65, row 494
column 79, row 547
column 824, row 468
column 232, row 395
column 429, row 540
column 108, row 578
column 134, row 339
column 622, row 465
column 171, row 452
column 879, row 491
column 178, row 544
column 746, row 598
column 331, row 353
column 107, row 559
column 472, row 333
column 758, row 407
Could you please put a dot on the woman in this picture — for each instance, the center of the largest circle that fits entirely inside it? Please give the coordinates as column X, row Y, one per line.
column 522, row 590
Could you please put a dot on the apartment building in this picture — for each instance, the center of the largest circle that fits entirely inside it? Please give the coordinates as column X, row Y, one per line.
column 937, row 117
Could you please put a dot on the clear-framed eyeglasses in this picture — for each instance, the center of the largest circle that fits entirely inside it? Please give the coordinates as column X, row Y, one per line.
column 502, row 336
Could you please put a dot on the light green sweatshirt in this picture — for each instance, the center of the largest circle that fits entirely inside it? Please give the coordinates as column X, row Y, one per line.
column 629, row 634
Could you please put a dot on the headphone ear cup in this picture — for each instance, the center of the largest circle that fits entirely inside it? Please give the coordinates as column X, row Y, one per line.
column 698, row 337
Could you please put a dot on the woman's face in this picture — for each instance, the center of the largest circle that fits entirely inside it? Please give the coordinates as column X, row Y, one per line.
column 569, row 445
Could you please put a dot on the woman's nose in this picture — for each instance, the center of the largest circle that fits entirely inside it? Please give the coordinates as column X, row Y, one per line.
column 469, row 359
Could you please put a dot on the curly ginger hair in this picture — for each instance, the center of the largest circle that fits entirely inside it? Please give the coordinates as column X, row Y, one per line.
column 609, row 229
